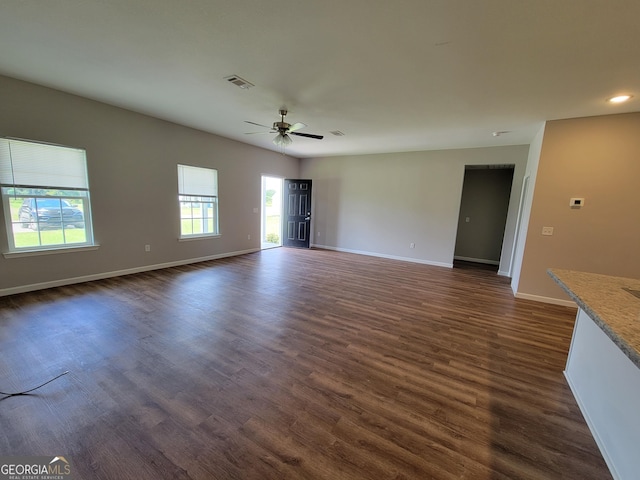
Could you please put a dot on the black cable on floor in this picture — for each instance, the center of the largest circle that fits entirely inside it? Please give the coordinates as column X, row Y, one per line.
column 34, row 388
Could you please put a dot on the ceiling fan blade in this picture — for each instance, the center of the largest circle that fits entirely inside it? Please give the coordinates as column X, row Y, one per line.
column 260, row 133
column 258, row 124
column 296, row 126
column 308, row 135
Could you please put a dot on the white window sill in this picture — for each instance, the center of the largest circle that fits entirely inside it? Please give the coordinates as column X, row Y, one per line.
column 49, row 251
column 198, row 237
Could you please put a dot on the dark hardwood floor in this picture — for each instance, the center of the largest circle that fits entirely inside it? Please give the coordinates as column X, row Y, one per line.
column 294, row 364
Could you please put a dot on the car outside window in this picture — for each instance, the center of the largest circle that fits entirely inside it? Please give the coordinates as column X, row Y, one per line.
column 50, row 213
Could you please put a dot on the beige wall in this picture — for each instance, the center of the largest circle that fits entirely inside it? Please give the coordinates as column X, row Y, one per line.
column 597, row 158
column 132, row 174
column 380, row 204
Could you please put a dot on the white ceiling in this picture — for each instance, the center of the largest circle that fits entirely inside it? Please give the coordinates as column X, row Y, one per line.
column 392, row 75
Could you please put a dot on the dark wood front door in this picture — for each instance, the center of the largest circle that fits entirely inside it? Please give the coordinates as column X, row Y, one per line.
column 297, row 215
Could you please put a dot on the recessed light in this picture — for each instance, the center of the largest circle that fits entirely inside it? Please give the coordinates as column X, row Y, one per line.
column 619, row 98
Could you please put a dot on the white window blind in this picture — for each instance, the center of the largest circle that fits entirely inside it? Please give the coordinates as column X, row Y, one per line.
column 32, row 164
column 197, row 181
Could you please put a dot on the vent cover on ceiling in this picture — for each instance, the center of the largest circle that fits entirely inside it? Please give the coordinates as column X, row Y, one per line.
column 238, row 82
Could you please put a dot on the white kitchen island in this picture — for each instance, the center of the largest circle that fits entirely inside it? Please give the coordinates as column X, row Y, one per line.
column 603, row 367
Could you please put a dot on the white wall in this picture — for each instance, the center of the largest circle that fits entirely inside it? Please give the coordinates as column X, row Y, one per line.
column 132, row 162
column 527, row 199
column 379, row 204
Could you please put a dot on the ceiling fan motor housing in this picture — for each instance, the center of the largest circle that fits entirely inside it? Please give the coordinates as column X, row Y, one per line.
column 280, row 126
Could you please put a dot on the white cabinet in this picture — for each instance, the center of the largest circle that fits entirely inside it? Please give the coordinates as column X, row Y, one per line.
column 606, row 385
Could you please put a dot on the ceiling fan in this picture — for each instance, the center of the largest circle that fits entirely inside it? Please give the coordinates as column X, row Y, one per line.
column 283, row 129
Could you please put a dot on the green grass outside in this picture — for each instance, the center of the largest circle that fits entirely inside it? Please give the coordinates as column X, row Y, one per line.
column 49, row 237
column 272, row 228
column 194, row 227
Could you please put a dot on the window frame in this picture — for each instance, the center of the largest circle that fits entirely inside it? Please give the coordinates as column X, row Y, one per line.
column 198, row 193
column 30, row 189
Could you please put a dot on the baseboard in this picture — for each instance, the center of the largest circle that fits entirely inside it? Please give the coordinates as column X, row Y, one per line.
column 383, row 255
column 550, row 300
column 117, row 273
column 476, row 260
column 504, row 273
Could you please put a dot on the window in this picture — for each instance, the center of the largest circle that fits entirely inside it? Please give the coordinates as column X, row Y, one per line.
column 198, row 198
column 45, row 195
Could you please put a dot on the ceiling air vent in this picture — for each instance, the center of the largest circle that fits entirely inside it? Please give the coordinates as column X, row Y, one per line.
column 238, row 82
column 337, row 133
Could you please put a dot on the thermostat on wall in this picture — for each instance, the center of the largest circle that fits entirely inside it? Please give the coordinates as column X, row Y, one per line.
column 576, row 202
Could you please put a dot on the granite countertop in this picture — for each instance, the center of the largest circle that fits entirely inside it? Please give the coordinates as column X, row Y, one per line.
column 611, row 302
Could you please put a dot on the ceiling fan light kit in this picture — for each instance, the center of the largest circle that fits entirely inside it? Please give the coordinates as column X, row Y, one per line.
column 283, row 129
column 282, row 140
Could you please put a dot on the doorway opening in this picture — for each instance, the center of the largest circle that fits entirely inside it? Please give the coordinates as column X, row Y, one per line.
column 271, row 218
column 483, row 215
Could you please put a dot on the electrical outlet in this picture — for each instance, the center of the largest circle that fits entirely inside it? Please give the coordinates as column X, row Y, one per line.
column 547, row 231
column 248, row 237
column 147, row 248
column 412, row 245
column 318, row 233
